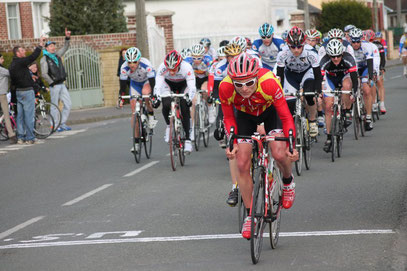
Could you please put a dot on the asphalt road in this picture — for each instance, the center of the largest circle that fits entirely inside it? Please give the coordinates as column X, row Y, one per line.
column 80, row 202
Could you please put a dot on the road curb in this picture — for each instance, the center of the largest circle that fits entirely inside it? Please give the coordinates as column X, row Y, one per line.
column 96, row 119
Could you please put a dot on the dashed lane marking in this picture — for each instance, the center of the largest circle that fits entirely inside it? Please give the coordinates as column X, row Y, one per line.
column 20, row 226
column 134, row 172
column 86, row 195
column 394, row 77
column 190, row 238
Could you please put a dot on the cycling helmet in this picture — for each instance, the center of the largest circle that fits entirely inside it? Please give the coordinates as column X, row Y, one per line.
column 248, row 42
column 223, row 43
column 335, row 33
column 334, row 48
column 284, row 35
column 379, row 34
column 349, row 27
column 355, row 34
column 221, row 51
column 241, row 41
column 243, row 66
column 205, row 42
column 325, row 39
column 266, row 30
column 186, row 52
column 233, row 49
column 296, row 36
column 319, row 35
column 198, row 50
column 369, row 35
column 172, row 60
column 312, row 34
column 133, row 54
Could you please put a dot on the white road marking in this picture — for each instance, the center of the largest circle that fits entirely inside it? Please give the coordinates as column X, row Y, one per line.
column 20, row 226
column 394, row 77
column 84, row 196
column 134, row 172
column 66, row 133
column 190, row 238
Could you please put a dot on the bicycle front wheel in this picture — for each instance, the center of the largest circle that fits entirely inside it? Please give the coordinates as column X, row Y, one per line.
column 206, row 126
column 181, row 149
column 43, row 124
column 275, row 206
column 147, row 139
column 173, row 144
column 257, row 212
column 356, row 119
column 137, row 142
column 3, row 131
column 299, row 144
column 197, row 126
column 307, row 147
column 53, row 110
column 334, row 132
column 241, row 209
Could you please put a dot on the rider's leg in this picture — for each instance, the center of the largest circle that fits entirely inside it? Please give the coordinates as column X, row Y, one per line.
column 147, row 91
column 347, row 85
column 245, row 181
column 186, row 117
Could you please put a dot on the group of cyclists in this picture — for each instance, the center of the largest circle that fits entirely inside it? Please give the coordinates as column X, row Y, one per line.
column 256, row 84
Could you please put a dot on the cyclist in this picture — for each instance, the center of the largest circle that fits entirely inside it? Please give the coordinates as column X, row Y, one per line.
column 403, row 50
column 186, row 54
column 378, row 41
column 346, row 31
column 142, row 81
column 208, row 49
column 336, row 33
column 252, row 91
column 298, row 68
column 364, row 60
column 175, row 75
column 268, row 46
column 339, row 68
column 217, row 73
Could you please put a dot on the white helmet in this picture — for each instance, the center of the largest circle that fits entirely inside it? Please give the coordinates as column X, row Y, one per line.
column 132, row 54
column 186, row 52
column 336, row 33
column 241, row 41
column 334, row 48
column 355, row 34
column 221, row 51
column 198, row 50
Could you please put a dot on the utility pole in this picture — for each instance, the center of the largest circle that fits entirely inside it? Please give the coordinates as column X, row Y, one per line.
column 141, row 28
column 399, row 13
column 376, row 21
column 306, row 15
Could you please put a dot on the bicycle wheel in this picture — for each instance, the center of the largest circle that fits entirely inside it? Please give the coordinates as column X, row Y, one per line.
column 53, row 110
column 173, row 144
column 137, row 142
column 181, row 149
column 241, row 209
column 3, row 131
column 275, row 205
column 206, row 126
column 333, row 132
column 356, row 120
column 362, row 117
column 197, row 125
column 339, row 137
column 43, row 124
column 299, row 144
column 147, row 139
column 257, row 212
column 307, row 146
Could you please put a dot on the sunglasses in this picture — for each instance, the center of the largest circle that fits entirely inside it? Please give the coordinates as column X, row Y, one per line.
column 266, row 37
column 295, row 46
column 312, row 40
column 334, row 57
column 197, row 58
column 247, row 84
column 135, row 62
column 355, row 41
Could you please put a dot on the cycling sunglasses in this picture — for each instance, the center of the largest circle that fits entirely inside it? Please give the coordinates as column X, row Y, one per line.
column 295, row 46
column 247, row 84
column 266, row 37
column 197, row 58
column 334, row 57
column 355, row 41
column 134, row 62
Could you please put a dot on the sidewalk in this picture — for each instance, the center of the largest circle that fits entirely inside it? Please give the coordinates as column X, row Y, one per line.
column 79, row 116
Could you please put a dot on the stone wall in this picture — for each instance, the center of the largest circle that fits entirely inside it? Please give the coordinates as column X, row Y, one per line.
column 110, row 82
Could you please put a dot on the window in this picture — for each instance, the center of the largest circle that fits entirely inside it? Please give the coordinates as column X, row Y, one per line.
column 13, row 21
column 38, row 19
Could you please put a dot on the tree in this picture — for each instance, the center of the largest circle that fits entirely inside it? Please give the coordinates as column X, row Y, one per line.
column 87, row 17
column 339, row 13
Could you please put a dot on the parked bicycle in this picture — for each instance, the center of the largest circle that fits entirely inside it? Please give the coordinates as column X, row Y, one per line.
column 266, row 202
column 50, row 108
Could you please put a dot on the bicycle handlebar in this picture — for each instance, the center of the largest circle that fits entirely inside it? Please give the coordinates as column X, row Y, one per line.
column 336, row 91
column 135, row 96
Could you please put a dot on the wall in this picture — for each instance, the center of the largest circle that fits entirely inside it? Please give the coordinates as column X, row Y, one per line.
column 110, row 82
column 3, row 22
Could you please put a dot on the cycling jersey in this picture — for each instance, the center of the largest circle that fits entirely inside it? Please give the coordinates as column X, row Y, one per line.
column 185, row 74
column 217, row 72
column 376, row 57
column 268, row 93
column 403, row 44
column 212, row 53
column 144, row 71
column 269, row 53
column 364, row 53
column 308, row 59
column 201, row 70
column 382, row 52
column 346, row 44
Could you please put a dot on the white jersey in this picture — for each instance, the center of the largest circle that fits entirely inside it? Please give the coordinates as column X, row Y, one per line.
column 376, row 57
column 364, row 53
column 219, row 69
column 308, row 59
column 144, row 71
column 212, row 52
column 185, row 72
column 256, row 55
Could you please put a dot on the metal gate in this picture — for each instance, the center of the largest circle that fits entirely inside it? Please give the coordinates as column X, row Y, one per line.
column 82, row 64
column 156, row 42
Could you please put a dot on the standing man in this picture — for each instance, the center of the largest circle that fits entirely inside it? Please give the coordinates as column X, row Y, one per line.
column 53, row 72
column 21, row 78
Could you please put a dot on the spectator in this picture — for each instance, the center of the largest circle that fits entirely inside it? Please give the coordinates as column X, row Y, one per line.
column 124, row 81
column 38, row 84
column 53, row 72
column 22, row 81
column 4, row 76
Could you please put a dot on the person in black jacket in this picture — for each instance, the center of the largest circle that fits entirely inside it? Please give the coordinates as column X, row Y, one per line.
column 124, row 83
column 21, row 79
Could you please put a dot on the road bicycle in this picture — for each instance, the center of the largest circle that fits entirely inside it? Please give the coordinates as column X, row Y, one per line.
column 49, row 108
column 219, row 132
column 375, row 105
column 201, row 120
column 338, row 122
column 3, row 130
column 359, row 114
column 177, row 134
column 266, row 202
column 303, row 140
column 141, row 130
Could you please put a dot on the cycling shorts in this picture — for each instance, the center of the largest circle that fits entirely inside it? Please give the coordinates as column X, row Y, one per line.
column 199, row 81
column 177, row 87
column 247, row 124
column 137, row 87
column 294, row 81
column 363, row 73
column 332, row 83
